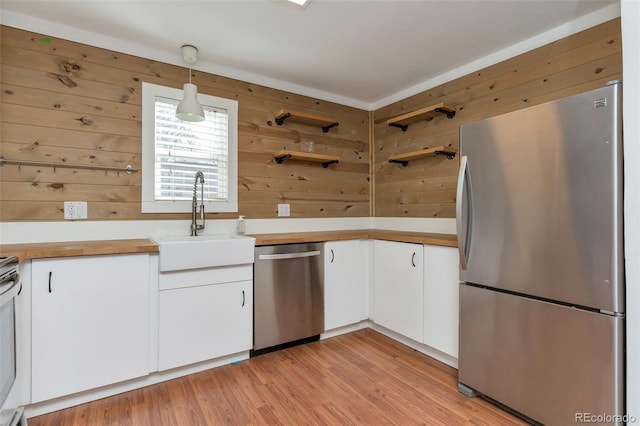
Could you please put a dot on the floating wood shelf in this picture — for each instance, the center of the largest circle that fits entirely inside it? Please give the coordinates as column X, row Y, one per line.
column 428, row 113
column 414, row 155
column 285, row 154
column 325, row 123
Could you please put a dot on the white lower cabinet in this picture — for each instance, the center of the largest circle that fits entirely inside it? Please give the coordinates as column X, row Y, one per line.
column 344, row 286
column 202, row 316
column 90, row 323
column 398, row 287
column 441, row 284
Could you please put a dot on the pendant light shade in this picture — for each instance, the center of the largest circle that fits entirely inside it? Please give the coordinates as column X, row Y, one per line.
column 189, row 109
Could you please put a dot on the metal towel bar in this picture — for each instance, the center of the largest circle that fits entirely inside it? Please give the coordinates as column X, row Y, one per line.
column 128, row 169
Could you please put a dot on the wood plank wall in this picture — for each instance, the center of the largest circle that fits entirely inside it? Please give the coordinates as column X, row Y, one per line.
column 66, row 102
column 426, row 187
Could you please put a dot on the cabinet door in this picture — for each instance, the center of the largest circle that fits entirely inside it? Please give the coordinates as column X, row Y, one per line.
column 343, row 283
column 441, row 275
column 397, row 287
column 205, row 322
column 90, row 323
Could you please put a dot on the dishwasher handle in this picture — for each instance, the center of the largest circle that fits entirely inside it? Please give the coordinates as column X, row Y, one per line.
column 288, row 255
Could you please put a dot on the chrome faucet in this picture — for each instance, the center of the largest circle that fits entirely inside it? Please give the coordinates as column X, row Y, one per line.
column 195, row 226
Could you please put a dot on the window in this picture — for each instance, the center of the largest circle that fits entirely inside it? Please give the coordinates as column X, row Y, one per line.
column 174, row 150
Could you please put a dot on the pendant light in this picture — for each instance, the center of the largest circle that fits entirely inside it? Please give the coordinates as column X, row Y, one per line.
column 189, row 109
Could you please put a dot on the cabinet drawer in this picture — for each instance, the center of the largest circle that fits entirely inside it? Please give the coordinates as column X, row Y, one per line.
column 207, row 276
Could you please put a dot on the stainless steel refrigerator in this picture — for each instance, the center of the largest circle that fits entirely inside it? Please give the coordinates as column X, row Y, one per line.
column 539, row 216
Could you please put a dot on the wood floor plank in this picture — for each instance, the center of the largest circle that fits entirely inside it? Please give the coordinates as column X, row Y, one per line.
column 360, row 378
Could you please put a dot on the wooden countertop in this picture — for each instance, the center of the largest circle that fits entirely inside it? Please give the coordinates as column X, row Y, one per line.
column 77, row 248
column 88, row 248
column 448, row 240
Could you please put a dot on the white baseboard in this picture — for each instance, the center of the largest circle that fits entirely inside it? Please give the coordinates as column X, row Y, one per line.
column 420, row 347
column 346, row 329
column 152, row 379
column 158, row 377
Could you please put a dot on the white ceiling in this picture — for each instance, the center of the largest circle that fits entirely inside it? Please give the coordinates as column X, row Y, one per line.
column 365, row 53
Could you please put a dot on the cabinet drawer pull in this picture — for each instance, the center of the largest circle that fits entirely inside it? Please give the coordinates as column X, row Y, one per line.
column 413, row 259
column 243, row 298
column 50, row 273
column 333, row 256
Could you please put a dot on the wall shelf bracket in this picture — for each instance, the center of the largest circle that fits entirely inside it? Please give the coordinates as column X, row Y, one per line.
column 450, row 155
column 326, row 128
column 281, row 158
column 450, row 114
column 404, row 163
column 404, row 127
column 280, row 119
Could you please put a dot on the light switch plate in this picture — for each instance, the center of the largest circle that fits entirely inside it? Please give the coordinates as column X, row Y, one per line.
column 284, row 210
column 74, row 210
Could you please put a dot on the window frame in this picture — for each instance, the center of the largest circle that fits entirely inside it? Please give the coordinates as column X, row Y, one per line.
column 149, row 204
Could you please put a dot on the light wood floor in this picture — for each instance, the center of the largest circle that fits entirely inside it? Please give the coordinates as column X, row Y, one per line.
column 361, row 378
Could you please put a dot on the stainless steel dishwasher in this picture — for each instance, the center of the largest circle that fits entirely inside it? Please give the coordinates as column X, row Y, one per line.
column 288, row 295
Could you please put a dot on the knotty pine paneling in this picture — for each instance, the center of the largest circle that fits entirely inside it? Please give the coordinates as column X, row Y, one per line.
column 67, row 102
column 426, row 188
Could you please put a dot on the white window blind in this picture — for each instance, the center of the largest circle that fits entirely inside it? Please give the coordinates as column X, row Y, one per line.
column 182, row 148
column 174, row 150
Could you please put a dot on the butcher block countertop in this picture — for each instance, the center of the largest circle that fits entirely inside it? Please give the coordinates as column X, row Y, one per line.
column 89, row 248
column 77, row 248
column 448, row 240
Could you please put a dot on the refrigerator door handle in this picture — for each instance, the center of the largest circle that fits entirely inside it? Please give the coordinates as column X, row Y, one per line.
column 463, row 210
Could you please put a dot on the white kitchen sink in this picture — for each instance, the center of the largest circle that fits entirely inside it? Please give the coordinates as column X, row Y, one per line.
column 179, row 252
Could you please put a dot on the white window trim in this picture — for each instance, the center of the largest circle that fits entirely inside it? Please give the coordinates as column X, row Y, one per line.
column 149, row 204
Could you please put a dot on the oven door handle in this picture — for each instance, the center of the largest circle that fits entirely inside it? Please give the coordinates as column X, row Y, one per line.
column 10, row 293
column 288, row 255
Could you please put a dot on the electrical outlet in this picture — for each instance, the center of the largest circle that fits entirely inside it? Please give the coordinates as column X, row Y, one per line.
column 75, row 210
column 284, row 210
